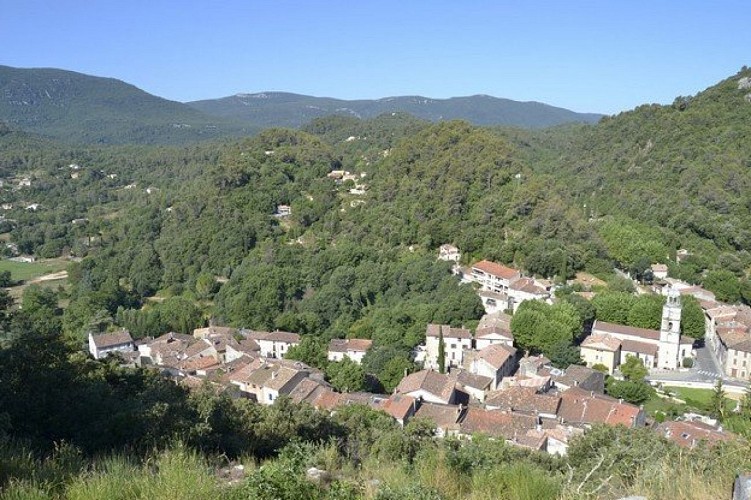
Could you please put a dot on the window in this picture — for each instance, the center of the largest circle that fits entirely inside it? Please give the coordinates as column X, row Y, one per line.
column 271, row 397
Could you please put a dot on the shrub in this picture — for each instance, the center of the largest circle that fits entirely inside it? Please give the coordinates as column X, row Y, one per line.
column 688, row 363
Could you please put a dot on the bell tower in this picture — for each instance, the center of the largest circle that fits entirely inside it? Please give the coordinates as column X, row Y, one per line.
column 670, row 332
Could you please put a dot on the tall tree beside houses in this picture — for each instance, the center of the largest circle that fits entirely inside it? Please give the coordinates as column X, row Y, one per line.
column 441, row 353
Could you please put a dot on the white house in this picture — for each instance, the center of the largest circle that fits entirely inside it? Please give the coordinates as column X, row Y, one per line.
column 106, row 343
column 276, row 344
column 494, row 277
column 449, row 253
column 494, row 328
column 494, row 361
column 455, row 341
column 354, row 349
column 431, row 386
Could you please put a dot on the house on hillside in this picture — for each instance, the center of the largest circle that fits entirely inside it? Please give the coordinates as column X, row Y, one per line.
column 433, row 387
column 494, row 277
column 354, row 349
column 494, row 329
column 107, row 343
column 579, row 406
column 581, row 377
column 276, row 344
column 449, row 253
column 455, row 341
column 494, row 361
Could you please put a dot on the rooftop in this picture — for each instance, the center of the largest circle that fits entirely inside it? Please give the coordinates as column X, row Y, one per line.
column 112, row 339
column 498, row 270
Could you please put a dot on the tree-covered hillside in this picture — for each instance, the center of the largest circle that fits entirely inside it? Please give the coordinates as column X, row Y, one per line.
column 86, row 109
column 283, row 109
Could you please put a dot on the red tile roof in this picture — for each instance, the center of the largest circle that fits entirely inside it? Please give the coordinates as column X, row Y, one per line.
column 435, row 383
column 629, row 345
column 602, row 341
column 344, row 345
column 580, row 406
column 399, row 406
column 498, row 270
column 509, row 425
column 112, row 339
column 603, row 327
column 690, row 434
column 523, row 399
column 448, row 332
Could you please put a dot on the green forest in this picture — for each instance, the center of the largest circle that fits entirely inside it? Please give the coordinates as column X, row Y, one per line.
column 167, row 238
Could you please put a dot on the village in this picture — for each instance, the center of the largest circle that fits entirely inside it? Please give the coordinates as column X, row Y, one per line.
column 471, row 381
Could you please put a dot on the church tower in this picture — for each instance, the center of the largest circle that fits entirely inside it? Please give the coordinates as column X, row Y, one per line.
column 670, row 332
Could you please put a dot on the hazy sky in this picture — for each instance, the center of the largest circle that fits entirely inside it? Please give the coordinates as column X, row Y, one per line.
column 601, row 56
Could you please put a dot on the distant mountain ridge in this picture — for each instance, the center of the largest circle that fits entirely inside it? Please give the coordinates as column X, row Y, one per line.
column 82, row 108
column 266, row 109
column 76, row 107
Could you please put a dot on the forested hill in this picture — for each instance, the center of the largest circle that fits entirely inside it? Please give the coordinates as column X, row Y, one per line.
column 281, row 109
column 86, row 109
column 681, row 169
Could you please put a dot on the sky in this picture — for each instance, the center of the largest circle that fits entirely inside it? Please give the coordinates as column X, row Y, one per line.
column 601, row 56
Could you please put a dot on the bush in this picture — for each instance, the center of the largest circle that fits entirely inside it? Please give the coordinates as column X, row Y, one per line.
column 688, row 362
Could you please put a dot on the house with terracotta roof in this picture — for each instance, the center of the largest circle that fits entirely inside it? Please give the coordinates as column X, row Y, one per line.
column 494, row 328
column 473, row 384
column 494, row 361
column 728, row 334
column 579, row 406
column 265, row 381
column 445, row 417
column 433, row 387
column 354, row 349
column 107, row 343
column 455, row 341
column 213, row 330
column 243, row 348
column 525, row 289
column 688, row 434
column 601, row 349
column 401, row 407
column 276, row 344
column 659, row 271
column 524, row 400
column 581, row 377
column 494, row 277
column 508, row 425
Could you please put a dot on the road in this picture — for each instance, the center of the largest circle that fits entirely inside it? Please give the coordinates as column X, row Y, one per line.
column 706, row 369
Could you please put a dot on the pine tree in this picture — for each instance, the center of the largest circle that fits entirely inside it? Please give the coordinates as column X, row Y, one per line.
column 717, row 403
column 441, row 353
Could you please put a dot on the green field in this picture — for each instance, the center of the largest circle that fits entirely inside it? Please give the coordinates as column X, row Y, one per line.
column 24, row 271
column 696, row 400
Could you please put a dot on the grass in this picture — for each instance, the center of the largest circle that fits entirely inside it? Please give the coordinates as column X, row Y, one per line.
column 25, row 271
column 695, row 400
